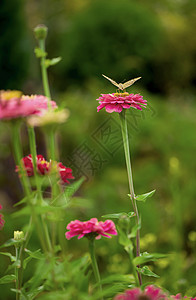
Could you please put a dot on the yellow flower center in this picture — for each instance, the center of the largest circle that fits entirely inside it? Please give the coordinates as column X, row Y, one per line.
column 7, row 95
column 121, row 94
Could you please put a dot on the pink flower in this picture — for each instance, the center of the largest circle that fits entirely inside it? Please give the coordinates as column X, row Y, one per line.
column 179, row 297
column 150, row 293
column 13, row 105
column 176, row 297
column 65, row 173
column 45, row 168
column 91, row 227
column 117, row 101
column 1, row 219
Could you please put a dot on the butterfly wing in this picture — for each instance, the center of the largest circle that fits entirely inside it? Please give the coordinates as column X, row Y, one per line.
column 111, row 80
column 129, row 83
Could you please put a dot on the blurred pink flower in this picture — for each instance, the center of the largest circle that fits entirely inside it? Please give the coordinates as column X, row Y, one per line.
column 44, row 167
column 117, row 101
column 150, row 293
column 91, row 227
column 179, row 297
column 1, row 219
column 13, row 105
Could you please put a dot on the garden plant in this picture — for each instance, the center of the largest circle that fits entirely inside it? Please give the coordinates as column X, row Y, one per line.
column 57, row 274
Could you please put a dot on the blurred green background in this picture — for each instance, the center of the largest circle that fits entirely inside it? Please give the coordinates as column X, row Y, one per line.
column 122, row 39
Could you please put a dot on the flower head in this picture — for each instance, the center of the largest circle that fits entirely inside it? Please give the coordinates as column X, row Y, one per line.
column 14, row 105
column 119, row 101
column 65, row 173
column 45, row 168
column 150, row 293
column 90, row 228
column 18, row 235
column 1, row 219
column 48, row 118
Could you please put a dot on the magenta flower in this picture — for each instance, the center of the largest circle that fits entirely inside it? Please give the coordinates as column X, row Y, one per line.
column 150, row 292
column 65, row 173
column 45, row 168
column 179, row 297
column 1, row 219
column 13, row 105
column 90, row 228
column 119, row 101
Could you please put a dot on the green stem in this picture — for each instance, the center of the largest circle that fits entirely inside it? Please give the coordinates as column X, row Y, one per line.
column 135, row 273
column 17, row 149
column 50, row 135
column 94, row 263
column 17, row 275
column 32, row 142
column 44, row 72
column 130, row 179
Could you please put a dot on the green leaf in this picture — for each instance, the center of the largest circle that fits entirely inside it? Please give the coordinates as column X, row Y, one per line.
column 143, row 197
column 72, row 188
column 10, row 243
column 131, row 214
column 147, row 272
column 135, row 229
column 115, row 216
column 39, row 53
column 123, row 238
column 12, row 258
column 24, row 200
column 119, row 215
column 68, row 193
column 52, row 62
column 146, row 257
column 36, row 254
column 7, row 279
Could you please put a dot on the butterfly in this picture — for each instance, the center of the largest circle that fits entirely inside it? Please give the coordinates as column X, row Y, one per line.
column 122, row 86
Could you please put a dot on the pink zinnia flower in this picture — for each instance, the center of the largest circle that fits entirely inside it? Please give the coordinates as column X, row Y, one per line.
column 150, row 293
column 117, row 101
column 90, row 228
column 1, row 219
column 12, row 105
column 44, row 168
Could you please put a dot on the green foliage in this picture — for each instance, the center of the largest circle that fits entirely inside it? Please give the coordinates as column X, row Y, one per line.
column 7, row 279
column 147, row 272
column 143, row 197
column 113, row 38
column 14, row 48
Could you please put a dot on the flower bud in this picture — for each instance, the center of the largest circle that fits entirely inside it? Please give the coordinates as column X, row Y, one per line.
column 40, row 32
column 18, row 235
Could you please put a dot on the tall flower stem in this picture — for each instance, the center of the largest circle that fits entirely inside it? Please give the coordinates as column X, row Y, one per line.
column 41, row 34
column 94, row 263
column 130, row 179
